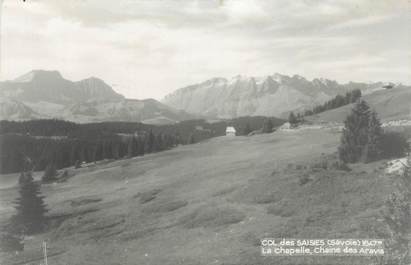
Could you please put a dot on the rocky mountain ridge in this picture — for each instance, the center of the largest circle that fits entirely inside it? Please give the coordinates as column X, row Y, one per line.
column 46, row 94
column 272, row 95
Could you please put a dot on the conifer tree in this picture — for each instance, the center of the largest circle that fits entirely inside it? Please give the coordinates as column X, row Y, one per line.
column 150, row 142
column 10, row 242
column 115, row 148
column 247, row 129
column 355, row 133
column 292, row 119
column 191, row 139
column 159, row 143
column 73, row 154
column 372, row 150
column 267, row 126
column 106, row 150
column 407, row 169
column 31, row 209
column 98, row 151
column 132, row 148
column 141, row 146
column 300, row 118
column 50, row 173
column 25, row 176
column 177, row 139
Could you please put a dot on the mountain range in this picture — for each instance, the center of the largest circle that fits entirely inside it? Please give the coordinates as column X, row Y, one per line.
column 46, row 94
column 272, row 95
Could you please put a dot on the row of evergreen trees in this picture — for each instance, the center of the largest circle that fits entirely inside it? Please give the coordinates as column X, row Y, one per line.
column 336, row 102
column 267, row 127
column 96, row 141
column 65, row 152
column 294, row 119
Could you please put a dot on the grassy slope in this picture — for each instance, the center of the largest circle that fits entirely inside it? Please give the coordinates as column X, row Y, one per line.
column 392, row 104
column 208, row 203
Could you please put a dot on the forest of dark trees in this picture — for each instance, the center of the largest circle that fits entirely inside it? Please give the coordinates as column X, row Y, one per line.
column 63, row 143
column 336, row 102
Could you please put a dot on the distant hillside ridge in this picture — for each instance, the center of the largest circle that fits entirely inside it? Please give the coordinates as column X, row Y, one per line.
column 391, row 105
column 47, row 94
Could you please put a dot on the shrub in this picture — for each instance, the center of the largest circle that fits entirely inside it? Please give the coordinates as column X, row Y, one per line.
column 407, row 170
column 394, row 144
column 267, row 126
column 77, row 164
column 25, row 177
column 10, row 242
column 50, row 174
column 303, row 179
column 397, row 215
column 292, row 119
column 339, row 165
column 64, row 174
column 320, row 165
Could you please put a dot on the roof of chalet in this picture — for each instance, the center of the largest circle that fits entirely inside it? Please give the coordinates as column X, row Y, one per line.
column 230, row 129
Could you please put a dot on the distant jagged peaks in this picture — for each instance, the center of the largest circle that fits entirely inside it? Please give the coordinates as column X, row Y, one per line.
column 47, row 94
column 271, row 95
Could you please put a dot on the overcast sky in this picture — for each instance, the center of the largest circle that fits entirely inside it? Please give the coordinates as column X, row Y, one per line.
column 148, row 48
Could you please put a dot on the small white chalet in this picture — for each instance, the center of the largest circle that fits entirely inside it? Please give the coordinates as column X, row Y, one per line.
column 230, row 131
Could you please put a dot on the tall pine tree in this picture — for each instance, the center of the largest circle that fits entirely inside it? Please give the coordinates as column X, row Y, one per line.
column 372, row 151
column 292, row 119
column 31, row 209
column 50, row 173
column 247, row 129
column 355, row 133
column 267, row 126
column 150, row 142
column 132, row 147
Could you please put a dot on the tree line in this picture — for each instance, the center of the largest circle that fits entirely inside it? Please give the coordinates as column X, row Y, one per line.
column 16, row 150
column 35, row 140
column 336, row 102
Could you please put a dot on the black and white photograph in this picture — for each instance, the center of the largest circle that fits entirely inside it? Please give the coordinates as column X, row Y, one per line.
column 205, row 132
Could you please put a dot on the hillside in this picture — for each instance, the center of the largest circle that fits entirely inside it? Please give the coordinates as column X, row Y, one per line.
column 273, row 95
column 50, row 86
column 15, row 110
column 390, row 104
column 208, row 203
column 47, row 94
